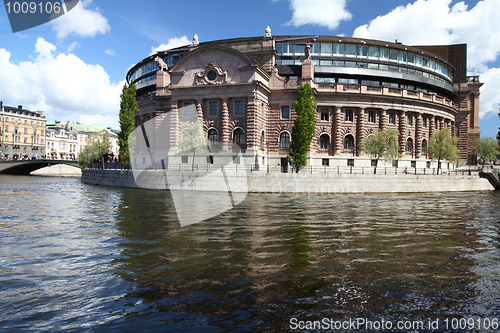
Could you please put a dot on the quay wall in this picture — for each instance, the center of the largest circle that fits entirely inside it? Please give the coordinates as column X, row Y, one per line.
column 307, row 183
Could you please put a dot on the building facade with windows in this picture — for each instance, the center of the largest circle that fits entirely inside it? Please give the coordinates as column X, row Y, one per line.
column 22, row 132
column 244, row 89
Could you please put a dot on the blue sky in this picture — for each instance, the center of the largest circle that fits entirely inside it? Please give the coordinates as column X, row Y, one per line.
column 74, row 67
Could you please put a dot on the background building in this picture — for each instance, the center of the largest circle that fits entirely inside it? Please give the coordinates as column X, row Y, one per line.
column 22, row 132
column 244, row 91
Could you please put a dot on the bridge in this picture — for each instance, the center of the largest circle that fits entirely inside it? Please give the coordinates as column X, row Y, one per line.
column 21, row 167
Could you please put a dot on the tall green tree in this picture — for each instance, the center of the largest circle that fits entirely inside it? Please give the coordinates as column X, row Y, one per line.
column 128, row 108
column 304, row 127
column 442, row 146
column 487, row 149
column 383, row 144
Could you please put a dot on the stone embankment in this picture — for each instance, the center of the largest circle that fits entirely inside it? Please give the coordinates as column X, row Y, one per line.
column 262, row 182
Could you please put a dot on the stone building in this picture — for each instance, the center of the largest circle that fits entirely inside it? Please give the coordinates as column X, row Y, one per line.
column 244, row 90
column 22, row 132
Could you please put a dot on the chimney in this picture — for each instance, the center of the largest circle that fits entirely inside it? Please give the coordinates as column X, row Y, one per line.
column 20, row 107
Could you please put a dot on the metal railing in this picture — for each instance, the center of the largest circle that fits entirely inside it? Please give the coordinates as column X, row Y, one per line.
column 473, row 170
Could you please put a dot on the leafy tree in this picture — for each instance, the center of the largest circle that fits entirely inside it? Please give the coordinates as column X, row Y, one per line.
column 304, row 127
column 128, row 108
column 98, row 147
column 442, row 146
column 498, row 134
column 487, row 149
column 383, row 144
column 193, row 138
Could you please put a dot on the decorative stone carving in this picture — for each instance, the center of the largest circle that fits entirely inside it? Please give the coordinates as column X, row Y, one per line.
column 195, row 41
column 267, row 32
column 212, row 74
column 308, row 51
column 161, row 64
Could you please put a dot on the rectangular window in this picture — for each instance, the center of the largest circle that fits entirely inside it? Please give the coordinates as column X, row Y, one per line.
column 411, row 58
column 324, row 114
column 188, row 109
column 262, row 110
column 326, row 49
column 372, row 116
column 362, row 51
column 410, row 120
column 350, row 50
column 393, row 55
column 285, row 112
column 184, row 159
column 424, row 122
column 212, row 108
column 373, row 52
column 325, row 162
column 238, row 107
column 392, row 118
column 6, row 128
column 349, row 115
column 338, row 49
column 350, row 162
column 402, row 57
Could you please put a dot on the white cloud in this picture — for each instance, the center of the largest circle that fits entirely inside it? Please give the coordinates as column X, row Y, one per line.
column 172, row 42
column 490, row 99
column 110, row 52
column 438, row 22
column 327, row 13
column 81, row 22
column 60, row 84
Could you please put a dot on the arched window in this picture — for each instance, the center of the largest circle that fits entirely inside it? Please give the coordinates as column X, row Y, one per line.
column 239, row 137
column 424, row 147
column 213, row 136
column 324, row 142
column 409, row 146
column 262, row 138
column 285, row 140
column 349, row 143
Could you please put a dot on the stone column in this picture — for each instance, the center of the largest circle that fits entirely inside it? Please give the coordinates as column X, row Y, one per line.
column 174, row 126
column 361, row 130
column 337, row 139
column 418, row 135
column 432, row 125
column 383, row 119
column 225, row 124
column 251, row 130
column 402, row 132
column 199, row 109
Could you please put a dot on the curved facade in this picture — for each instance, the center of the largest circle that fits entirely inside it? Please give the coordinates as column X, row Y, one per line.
column 244, row 90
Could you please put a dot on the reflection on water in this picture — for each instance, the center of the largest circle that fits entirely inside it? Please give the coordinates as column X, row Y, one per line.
column 117, row 259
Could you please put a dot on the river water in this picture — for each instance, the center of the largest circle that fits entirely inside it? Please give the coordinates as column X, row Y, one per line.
column 75, row 257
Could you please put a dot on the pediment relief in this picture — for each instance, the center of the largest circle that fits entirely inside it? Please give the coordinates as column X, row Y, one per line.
column 212, row 74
